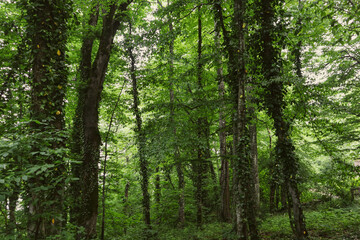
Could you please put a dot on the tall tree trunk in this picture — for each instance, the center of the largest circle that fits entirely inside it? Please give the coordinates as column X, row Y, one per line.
column 282, row 196
column 4, row 213
column 275, row 103
column 245, row 217
column 299, row 218
column 157, row 192
column 82, row 198
column 48, row 81
column 297, row 48
column 181, row 186
column 272, row 197
column 200, row 154
column 12, row 210
column 141, row 138
column 255, row 164
column 224, row 175
column 253, row 148
column 240, row 149
column 201, row 165
column 243, row 166
column 86, row 136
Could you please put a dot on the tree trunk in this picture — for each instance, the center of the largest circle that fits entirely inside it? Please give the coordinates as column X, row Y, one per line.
column 283, row 195
column 157, row 191
column 181, row 186
column 225, row 175
column 272, row 197
column 243, row 166
column 141, row 139
column 274, row 101
column 198, row 167
column 225, row 215
column 255, row 164
column 86, row 136
column 240, row 148
column 253, row 149
column 202, row 166
column 48, row 81
column 12, row 210
column 245, row 217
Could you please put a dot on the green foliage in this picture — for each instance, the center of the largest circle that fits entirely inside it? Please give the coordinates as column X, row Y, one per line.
column 321, row 111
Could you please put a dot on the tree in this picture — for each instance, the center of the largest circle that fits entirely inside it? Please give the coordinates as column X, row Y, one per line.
column 225, row 174
column 140, row 134
column 86, row 136
column 274, row 100
column 46, row 29
column 244, row 196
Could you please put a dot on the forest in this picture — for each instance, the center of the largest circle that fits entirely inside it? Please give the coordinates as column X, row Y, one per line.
column 179, row 119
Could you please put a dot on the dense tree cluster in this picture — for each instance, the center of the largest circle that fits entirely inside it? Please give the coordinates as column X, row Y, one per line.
column 124, row 119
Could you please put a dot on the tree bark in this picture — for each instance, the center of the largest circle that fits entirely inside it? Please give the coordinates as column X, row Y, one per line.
column 243, row 166
column 275, row 103
column 255, row 164
column 253, row 148
column 225, row 214
column 197, row 165
column 141, row 138
column 12, row 210
column 272, row 197
column 48, row 82
column 245, row 217
column 86, row 136
column 157, row 190
column 201, row 166
column 240, row 149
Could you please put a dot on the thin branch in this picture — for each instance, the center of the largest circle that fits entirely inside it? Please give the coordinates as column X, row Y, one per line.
column 158, row 1
column 105, row 159
column 193, row 9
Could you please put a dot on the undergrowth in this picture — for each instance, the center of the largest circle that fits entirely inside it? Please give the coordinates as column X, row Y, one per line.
column 330, row 220
column 327, row 220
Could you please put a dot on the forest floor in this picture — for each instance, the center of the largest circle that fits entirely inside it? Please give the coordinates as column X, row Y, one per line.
column 326, row 220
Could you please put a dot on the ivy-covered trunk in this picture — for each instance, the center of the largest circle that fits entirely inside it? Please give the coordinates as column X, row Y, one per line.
column 86, row 136
column 46, row 29
column 243, row 168
column 140, row 138
column 253, row 148
column 243, row 187
column 198, row 165
column 274, row 101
